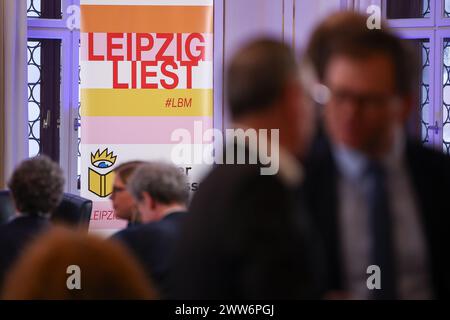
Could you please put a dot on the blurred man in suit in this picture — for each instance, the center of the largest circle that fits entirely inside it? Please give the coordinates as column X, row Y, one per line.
column 37, row 189
column 161, row 194
column 246, row 236
column 377, row 197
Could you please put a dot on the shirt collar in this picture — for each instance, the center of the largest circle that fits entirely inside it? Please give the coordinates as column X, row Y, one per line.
column 352, row 163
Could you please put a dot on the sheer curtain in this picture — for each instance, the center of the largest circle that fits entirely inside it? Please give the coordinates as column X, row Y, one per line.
column 13, row 86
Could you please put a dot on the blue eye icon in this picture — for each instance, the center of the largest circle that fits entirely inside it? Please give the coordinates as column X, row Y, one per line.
column 102, row 164
column 103, row 160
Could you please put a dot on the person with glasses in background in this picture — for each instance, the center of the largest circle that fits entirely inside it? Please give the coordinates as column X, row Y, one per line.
column 123, row 202
column 161, row 193
column 377, row 197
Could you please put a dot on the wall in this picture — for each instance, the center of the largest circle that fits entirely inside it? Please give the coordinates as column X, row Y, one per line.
column 238, row 21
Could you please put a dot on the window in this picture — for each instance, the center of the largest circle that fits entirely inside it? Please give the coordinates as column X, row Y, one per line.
column 34, row 97
column 34, row 8
column 426, row 25
column 422, row 48
column 53, row 85
column 401, row 9
column 446, row 95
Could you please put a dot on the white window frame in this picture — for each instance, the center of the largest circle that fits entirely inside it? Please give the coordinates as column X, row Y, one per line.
column 56, row 29
column 435, row 28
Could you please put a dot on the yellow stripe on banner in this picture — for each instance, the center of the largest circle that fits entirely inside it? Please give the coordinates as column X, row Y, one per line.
column 143, row 102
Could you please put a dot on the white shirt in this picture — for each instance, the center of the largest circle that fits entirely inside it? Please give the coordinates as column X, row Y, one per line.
column 412, row 269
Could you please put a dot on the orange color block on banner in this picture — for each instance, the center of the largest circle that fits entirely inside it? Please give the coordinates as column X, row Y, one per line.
column 160, row 19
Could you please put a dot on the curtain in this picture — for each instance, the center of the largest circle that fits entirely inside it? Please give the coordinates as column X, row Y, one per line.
column 13, row 86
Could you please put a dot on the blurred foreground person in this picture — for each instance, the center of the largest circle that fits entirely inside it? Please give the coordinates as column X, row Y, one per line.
column 376, row 196
column 123, row 202
column 246, row 237
column 161, row 193
column 66, row 265
column 37, row 189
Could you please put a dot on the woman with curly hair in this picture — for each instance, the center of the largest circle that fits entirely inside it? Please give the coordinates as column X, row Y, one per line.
column 37, row 189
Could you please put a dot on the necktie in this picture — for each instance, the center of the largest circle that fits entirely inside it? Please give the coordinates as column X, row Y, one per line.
column 380, row 226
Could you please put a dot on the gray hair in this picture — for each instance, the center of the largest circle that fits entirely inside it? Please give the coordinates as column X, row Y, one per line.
column 37, row 186
column 162, row 181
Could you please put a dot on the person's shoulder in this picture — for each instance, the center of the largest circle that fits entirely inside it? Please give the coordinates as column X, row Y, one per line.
column 424, row 155
column 16, row 224
column 20, row 230
column 167, row 224
column 230, row 174
column 124, row 234
column 5, row 231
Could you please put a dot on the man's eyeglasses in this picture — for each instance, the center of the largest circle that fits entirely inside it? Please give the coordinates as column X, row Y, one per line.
column 323, row 95
column 118, row 189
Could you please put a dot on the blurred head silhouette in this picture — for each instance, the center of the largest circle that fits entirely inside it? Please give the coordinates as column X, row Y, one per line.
column 264, row 90
column 123, row 202
column 370, row 75
column 37, row 186
column 159, row 188
column 106, row 270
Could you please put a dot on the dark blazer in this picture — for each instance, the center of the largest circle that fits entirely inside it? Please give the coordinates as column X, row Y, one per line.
column 15, row 236
column 246, row 238
column 152, row 244
column 430, row 174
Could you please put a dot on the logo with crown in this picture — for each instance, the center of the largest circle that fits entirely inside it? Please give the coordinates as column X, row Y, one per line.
column 100, row 180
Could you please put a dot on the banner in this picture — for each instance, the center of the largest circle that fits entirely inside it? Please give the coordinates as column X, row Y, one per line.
column 146, row 71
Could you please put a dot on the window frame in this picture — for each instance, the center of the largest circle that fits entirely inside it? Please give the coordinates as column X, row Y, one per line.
column 435, row 32
column 411, row 34
column 41, row 28
column 440, row 19
column 417, row 22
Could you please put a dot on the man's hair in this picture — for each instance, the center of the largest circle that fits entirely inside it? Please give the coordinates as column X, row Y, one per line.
column 162, row 181
column 37, row 186
column 346, row 34
column 257, row 76
column 126, row 169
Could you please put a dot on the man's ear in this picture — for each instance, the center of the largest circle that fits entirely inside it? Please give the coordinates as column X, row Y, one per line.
column 148, row 200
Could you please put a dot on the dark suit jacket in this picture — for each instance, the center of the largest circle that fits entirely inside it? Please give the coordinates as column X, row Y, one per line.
column 15, row 236
column 152, row 244
column 430, row 173
column 246, row 238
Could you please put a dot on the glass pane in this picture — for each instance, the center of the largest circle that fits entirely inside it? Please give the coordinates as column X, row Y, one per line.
column 421, row 119
column 425, row 89
column 48, row 9
column 446, row 96
column 408, row 9
column 447, row 9
column 34, row 8
column 34, row 96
